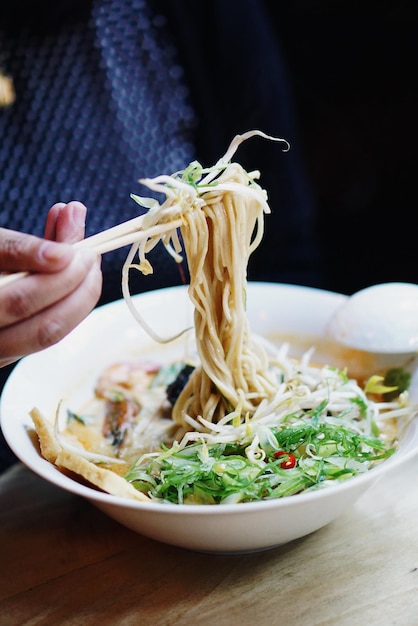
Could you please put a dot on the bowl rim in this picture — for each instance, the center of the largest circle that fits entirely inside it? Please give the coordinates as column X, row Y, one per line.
column 46, row 470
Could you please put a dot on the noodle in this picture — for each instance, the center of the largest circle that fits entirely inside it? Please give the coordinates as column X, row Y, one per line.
column 222, row 225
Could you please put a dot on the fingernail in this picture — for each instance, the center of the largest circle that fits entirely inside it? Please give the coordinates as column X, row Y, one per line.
column 78, row 213
column 52, row 251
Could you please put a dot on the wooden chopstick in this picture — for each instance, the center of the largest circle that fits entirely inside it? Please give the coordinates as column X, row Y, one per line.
column 5, row 279
column 95, row 241
column 124, row 234
column 109, row 239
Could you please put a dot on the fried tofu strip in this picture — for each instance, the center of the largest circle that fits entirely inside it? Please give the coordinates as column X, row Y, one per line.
column 50, row 448
column 100, row 477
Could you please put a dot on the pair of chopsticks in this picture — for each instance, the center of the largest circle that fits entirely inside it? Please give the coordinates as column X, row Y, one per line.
column 113, row 238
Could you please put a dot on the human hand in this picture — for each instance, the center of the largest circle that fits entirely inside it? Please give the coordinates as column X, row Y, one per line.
column 62, row 287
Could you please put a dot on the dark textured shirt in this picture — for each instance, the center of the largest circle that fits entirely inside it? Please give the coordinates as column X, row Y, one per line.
column 111, row 91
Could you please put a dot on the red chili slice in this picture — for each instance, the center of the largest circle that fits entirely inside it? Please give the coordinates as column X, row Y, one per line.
column 287, row 463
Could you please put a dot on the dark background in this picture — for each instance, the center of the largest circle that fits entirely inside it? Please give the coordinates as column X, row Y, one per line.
column 353, row 69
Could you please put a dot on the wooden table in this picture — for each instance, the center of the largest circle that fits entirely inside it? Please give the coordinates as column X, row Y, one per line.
column 63, row 562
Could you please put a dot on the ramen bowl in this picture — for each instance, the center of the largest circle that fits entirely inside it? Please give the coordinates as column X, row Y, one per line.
column 68, row 371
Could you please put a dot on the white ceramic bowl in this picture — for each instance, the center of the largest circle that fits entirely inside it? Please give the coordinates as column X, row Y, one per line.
column 68, row 371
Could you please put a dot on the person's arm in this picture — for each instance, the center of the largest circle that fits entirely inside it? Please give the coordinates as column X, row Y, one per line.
column 62, row 287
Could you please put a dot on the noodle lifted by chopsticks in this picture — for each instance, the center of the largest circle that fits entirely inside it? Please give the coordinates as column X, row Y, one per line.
column 222, row 211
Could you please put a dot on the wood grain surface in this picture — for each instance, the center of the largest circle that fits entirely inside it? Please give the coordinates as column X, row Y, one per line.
column 63, row 563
